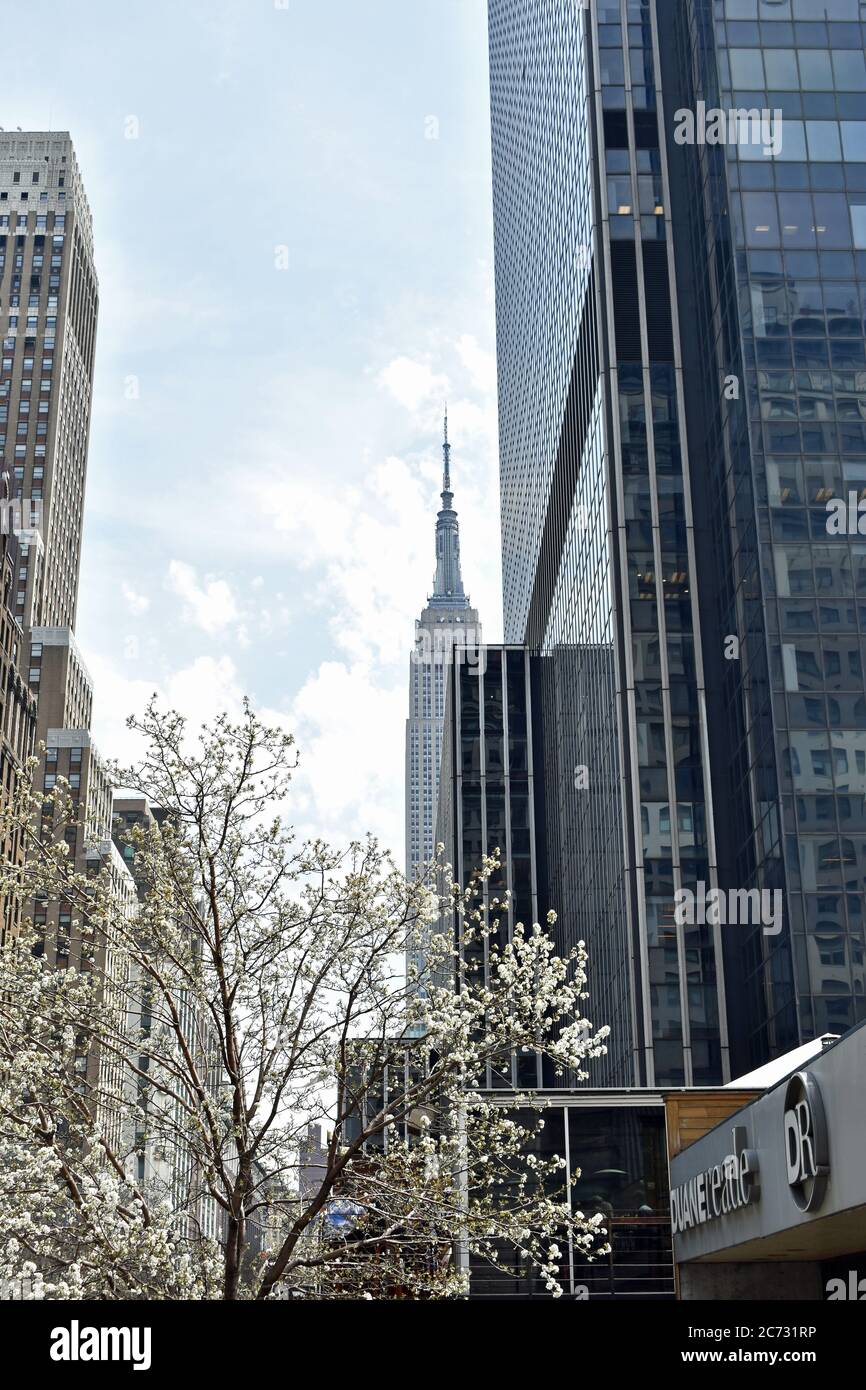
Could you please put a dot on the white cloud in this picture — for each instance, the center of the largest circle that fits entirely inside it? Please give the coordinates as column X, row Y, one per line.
column 350, row 730
column 199, row 691
column 211, row 605
column 136, row 603
column 412, row 383
column 332, row 556
column 348, row 724
column 480, row 364
column 372, row 550
column 206, row 688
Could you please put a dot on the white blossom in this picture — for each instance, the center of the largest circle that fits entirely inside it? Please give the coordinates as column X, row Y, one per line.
column 257, row 989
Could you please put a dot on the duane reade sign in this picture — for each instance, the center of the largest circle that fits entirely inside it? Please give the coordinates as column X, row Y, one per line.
column 732, row 1183
column 807, row 1144
column 795, row 1158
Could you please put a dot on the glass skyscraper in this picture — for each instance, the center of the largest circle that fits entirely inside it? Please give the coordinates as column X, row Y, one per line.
column 680, row 339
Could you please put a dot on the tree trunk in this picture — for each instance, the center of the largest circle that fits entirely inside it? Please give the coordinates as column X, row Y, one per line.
column 235, row 1241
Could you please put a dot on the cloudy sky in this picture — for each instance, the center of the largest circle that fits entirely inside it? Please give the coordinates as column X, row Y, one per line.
column 292, row 212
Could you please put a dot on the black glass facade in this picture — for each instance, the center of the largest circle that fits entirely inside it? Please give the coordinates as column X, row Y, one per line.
column 682, row 366
column 619, row 1149
column 516, row 725
column 591, row 428
column 510, row 782
column 490, row 801
column 774, row 267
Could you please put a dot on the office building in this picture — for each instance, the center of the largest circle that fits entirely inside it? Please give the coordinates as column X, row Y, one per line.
column 511, row 782
column 48, row 303
column 680, row 342
column 48, row 312
column 17, row 710
column 507, row 784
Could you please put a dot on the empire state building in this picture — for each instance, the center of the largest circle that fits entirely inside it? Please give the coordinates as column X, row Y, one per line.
column 447, row 630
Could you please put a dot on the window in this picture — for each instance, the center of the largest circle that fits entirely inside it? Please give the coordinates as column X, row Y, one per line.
column 619, row 197
column 823, row 139
column 849, row 67
column 795, row 211
column 858, row 225
column 831, row 9
column 781, row 65
column 832, row 220
column 761, row 218
column 747, row 69
column 815, row 71
column 854, row 140
column 612, row 68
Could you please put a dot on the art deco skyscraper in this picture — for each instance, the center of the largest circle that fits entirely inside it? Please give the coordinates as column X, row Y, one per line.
column 447, row 631
column 682, row 388
column 48, row 311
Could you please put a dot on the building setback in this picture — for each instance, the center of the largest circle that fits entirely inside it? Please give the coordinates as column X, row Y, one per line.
column 680, row 343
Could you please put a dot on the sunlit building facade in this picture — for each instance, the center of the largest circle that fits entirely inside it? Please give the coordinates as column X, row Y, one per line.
column 448, row 631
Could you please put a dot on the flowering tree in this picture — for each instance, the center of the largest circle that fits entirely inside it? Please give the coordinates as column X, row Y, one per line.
column 256, row 989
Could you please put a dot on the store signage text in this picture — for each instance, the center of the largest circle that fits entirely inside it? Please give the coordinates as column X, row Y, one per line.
column 716, row 1192
column 807, row 1154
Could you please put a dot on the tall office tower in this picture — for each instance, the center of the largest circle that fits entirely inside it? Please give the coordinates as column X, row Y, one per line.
column 48, row 311
column 681, row 369
column 771, row 278
column 448, row 631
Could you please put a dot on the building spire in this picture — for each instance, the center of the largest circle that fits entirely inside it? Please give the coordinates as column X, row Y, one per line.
column 448, row 583
column 446, row 454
